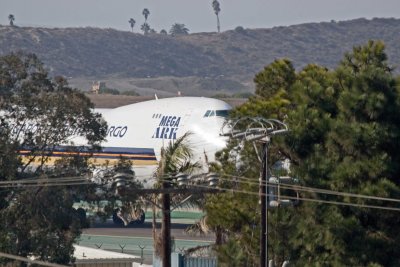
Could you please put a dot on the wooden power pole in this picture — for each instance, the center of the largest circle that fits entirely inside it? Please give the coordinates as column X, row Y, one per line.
column 166, row 226
column 264, row 210
column 258, row 129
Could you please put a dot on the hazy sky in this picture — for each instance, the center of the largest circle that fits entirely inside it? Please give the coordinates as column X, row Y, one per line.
column 197, row 15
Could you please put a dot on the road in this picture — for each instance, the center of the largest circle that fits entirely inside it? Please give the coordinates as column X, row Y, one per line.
column 145, row 230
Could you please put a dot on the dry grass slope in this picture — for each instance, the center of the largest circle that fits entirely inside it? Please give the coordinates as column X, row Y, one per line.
column 113, row 101
column 197, row 64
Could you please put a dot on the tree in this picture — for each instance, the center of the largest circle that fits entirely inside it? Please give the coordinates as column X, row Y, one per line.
column 236, row 213
column 344, row 127
column 163, row 32
column 132, row 23
column 217, row 9
column 130, row 92
column 145, row 28
column 111, row 91
column 175, row 158
column 279, row 75
column 178, row 29
column 40, row 114
column 146, row 14
column 343, row 132
column 11, row 18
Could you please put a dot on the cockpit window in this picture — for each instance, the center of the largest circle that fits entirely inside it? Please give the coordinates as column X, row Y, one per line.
column 222, row 113
column 218, row 113
column 207, row 113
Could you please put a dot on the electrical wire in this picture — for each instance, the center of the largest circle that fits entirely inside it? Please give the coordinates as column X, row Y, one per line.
column 313, row 190
column 303, row 199
column 46, row 180
column 79, row 180
column 337, row 193
column 35, row 182
column 241, row 179
column 341, row 203
column 310, row 189
column 38, row 262
column 44, row 185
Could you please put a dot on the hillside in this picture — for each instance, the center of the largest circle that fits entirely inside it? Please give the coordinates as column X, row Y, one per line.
column 195, row 64
column 113, row 101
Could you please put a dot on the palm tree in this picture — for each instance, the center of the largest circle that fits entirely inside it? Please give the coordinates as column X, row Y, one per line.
column 132, row 23
column 174, row 159
column 11, row 18
column 145, row 27
column 178, row 29
column 145, row 13
column 217, row 9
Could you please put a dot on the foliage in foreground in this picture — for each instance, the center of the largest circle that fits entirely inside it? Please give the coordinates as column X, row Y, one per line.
column 176, row 158
column 344, row 131
column 39, row 114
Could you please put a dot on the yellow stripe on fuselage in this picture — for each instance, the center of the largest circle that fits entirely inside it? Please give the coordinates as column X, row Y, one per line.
column 49, row 161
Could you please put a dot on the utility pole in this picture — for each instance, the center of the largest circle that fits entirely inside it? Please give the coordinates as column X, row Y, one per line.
column 258, row 129
column 166, row 226
column 264, row 208
column 264, row 211
column 166, row 190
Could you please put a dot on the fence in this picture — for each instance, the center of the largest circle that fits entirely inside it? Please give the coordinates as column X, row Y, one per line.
column 180, row 260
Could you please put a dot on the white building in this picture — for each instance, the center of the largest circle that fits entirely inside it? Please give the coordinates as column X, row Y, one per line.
column 91, row 257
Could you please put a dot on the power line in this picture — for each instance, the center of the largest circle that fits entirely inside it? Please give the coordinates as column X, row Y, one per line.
column 70, row 181
column 342, row 203
column 337, row 193
column 66, row 181
column 304, row 199
column 19, row 258
column 242, row 179
column 32, row 182
column 297, row 188
column 312, row 189
column 78, row 180
column 44, row 180
column 44, row 185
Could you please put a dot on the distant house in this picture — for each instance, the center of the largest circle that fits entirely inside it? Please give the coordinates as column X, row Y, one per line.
column 97, row 86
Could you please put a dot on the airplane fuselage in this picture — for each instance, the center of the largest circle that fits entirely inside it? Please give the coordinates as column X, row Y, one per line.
column 138, row 131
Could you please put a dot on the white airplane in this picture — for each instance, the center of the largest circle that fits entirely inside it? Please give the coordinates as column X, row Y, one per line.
column 138, row 131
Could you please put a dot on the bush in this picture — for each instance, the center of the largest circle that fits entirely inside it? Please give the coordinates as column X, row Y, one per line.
column 240, row 29
column 131, row 92
column 109, row 91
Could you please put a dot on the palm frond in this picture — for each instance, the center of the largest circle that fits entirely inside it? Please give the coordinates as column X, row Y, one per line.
column 175, row 158
column 199, row 228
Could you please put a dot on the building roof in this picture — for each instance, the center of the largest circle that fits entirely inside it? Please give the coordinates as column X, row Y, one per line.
column 86, row 253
